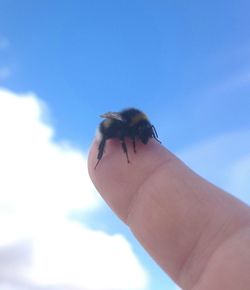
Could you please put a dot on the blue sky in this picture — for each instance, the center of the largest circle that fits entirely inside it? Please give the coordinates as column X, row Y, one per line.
column 185, row 63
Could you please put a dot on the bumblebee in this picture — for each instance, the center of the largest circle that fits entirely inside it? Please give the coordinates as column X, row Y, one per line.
column 129, row 123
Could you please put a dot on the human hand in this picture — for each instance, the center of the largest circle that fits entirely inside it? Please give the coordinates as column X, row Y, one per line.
column 199, row 234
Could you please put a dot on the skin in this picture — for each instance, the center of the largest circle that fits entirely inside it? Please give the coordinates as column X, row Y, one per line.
column 198, row 233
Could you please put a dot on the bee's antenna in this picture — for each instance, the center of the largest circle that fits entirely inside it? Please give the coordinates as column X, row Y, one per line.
column 155, row 134
column 153, row 127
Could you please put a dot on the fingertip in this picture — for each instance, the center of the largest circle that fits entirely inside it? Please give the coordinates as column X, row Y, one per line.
column 116, row 179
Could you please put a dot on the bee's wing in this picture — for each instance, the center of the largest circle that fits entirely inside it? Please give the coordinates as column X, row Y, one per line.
column 112, row 115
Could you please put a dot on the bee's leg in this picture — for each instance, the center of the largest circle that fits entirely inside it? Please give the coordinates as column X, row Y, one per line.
column 133, row 140
column 100, row 151
column 124, row 147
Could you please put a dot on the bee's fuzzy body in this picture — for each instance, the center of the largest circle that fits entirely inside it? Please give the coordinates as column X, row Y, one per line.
column 129, row 123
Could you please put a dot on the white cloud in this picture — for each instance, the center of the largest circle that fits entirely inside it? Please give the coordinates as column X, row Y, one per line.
column 41, row 183
column 104, row 268
column 224, row 160
column 38, row 174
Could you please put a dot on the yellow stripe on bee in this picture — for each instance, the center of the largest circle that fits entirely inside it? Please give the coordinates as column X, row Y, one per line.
column 106, row 123
column 137, row 118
